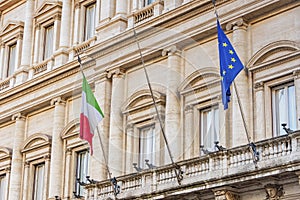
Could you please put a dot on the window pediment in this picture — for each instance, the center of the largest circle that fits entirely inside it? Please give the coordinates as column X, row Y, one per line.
column 7, row 4
column 36, row 141
column 5, row 153
column 12, row 30
column 272, row 52
column 142, row 100
column 71, row 129
column 199, row 79
column 48, row 10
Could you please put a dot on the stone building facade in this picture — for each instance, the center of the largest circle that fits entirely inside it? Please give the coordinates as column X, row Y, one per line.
column 41, row 155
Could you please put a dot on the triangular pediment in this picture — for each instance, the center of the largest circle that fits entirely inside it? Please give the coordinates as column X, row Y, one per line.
column 11, row 25
column 48, row 6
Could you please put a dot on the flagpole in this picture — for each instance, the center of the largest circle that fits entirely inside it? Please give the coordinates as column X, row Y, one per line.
column 177, row 170
column 101, row 145
column 251, row 144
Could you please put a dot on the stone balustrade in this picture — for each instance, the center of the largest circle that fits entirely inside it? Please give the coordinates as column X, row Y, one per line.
column 205, row 169
column 4, row 84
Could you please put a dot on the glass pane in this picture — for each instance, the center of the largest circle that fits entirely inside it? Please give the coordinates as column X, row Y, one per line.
column 48, row 48
column 39, row 182
column 209, row 127
column 281, row 113
column 81, row 171
column 89, row 22
column 2, row 187
column 147, row 146
column 292, row 119
column 11, row 60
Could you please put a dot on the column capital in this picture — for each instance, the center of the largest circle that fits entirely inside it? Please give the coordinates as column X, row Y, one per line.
column 274, row 191
column 47, row 157
column 57, row 17
column 38, row 26
column 130, row 127
column 27, row 164
column 69, row 151
column 57, row 101
column 189, row 108
column 116, row 73
column 18, row 116
column 239, row 22
column 259, row 85
column 171, row 50
column 296, row 74
column 7, row 169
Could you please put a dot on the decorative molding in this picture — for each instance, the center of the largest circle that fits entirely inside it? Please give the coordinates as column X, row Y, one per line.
column 259, row 85
column 225, row 194
column 240, row 22
column 189, row 108
column 116, row 73
column 57, row 101
column 170, row 50
column 274, row 191
column 18, row 116
column 296, row 73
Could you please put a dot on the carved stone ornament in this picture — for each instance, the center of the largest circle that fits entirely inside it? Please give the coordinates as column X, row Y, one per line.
column 231, row 196
column 226, row 195
column 274, row 191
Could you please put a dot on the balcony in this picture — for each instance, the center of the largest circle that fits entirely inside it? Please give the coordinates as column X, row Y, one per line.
column 276, row 156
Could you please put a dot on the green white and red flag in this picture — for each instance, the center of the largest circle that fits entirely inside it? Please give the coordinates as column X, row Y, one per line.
column 90, row 115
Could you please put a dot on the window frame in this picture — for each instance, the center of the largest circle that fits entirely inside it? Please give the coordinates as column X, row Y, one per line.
column 77, row 187
column 277, row 127
column 48, row 49
column 36, row 185
column 88, row 34
column 141, row 145
column 214, row 108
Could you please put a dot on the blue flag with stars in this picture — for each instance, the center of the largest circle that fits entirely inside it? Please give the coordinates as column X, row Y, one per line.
column 230, row 65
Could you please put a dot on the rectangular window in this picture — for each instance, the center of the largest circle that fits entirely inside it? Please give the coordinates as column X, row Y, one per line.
column 81, row 170
column 2, row 187
column 284, row 108
column 89, row 21
column 148, row 2
column 38, row 182
column 11, row 60
column 147, row 146
column 209, row 126
column 48, row 42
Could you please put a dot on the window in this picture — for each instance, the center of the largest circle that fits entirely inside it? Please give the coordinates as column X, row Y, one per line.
column 48, row 42
column 89, row 21
column 209, row 122
column 2, row 187
column 148, row 2
column 284, row 108
column 38, row 182
column 81, row 170
column 11, row 59
column 146, row 146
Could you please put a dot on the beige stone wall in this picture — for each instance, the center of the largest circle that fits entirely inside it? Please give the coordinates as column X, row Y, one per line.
column 7, row 135
column 16, row 14
column 44, row 117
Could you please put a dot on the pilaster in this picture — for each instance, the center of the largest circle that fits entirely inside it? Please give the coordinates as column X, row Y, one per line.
column 296, row 75
column 115, row 158
column 56, row 148
column 260, row 131
column 189, row 132
column 172, row 122
column 16, row 166
column 103, row 96
column 68, row 172
column 239, row 42
column 129, row 148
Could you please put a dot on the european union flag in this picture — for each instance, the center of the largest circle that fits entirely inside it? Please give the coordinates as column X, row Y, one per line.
column 230, row 65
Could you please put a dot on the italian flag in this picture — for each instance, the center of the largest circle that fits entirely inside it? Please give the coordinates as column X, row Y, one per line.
column 90, row 115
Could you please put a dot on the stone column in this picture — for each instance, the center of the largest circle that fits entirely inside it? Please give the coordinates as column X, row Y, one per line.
column 98, row 9
column 56, row 148
column 260, row 132
column 121, row 7
column 135, row 5
column 46, row 175
column 115, row 156
column 67, row 177
column 76, row 27
column 27, row 39
column 189, row 137
column 239, row 42
column 16, row 166
column 37, row 44
column 26, row 180
column 97, row 167
column 65, row 24
column 129, row 148
column 172, row 120
column 2, row 50
column 21, row 73
column 107, row 10
column 296, row 74
column 56, row 31
column 7, row 176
